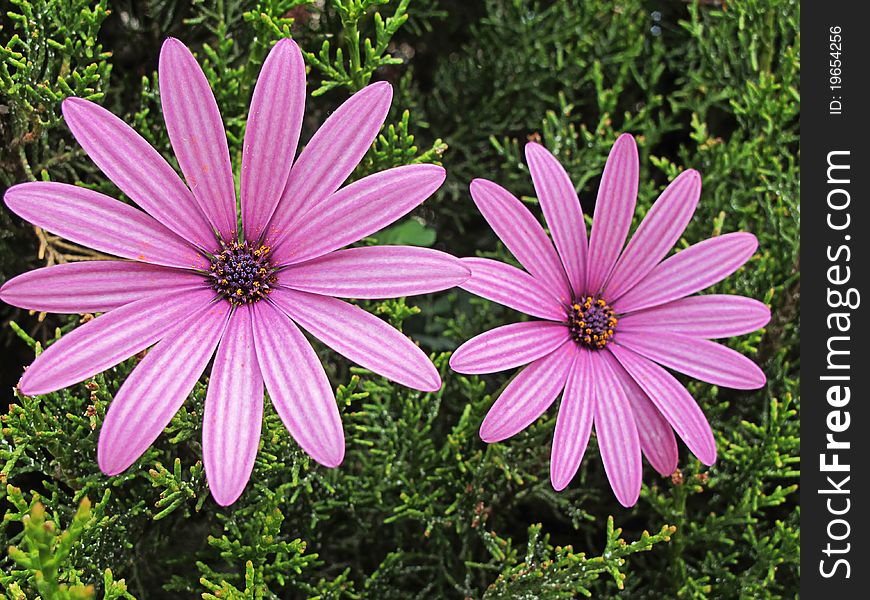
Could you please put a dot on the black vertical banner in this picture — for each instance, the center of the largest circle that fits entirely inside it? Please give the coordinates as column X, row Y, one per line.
column 835, row 453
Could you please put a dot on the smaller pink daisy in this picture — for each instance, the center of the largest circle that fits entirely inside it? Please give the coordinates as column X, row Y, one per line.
column 193, row 286
column 613, row 318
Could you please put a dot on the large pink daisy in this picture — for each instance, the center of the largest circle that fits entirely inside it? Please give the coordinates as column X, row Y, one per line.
column 197, row 285
column 613, row 318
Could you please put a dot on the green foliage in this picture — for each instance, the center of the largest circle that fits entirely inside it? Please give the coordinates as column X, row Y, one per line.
column 268, row 558
column 176, row 489
column 43, row 557
column 53, row 53
column 421, row 507
column 559, row 573
column 364, row 56
column 46, row 551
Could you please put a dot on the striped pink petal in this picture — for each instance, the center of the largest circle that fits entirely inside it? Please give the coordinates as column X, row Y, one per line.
column 672, row 400
column 198, row 137
column 157, row 388
column 530, row 393
column 330, row 157
column 513, row 288
column 233, row 411
column 561, row 209
column 698, row 358
column 271, row 135
column 138, row 170
column 358, row 210
column 614, row 209
column 376, row 272
column 107, row 340
column 712, row 316
column 515, row 225
column 297, row 384
column 574, row 423
column 361, row 337
column 689, row 271
column 657, row 233
column 94, row 286
column 616, row 429
column 102, row 223
column 657, row 440
column 508, row 346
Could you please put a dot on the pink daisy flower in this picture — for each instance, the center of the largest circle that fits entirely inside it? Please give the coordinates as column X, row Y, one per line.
column 612, row 319
column 193, row 286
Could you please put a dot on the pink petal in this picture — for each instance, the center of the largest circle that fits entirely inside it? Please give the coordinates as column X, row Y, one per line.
column 138, row 170
column 574, row 423
column 356, row 211
column 330, row 157
column 376, row 272
column 157, row 388
column 673, row 401
column 616, row 429
column 689, row 271
column 657, row 233
column 274, row 122
column 511, row 287
column 107, row 340
column 698, row 358
column 298, row 387
column 197, row 133
column 508, row 346
column 361, row 337
column 94, row 286
column 515, row 225
column 561, row 209
column 657, row 440
column 233, row 411
column 102, row 223
column 614, row 209
column 711, row 316
column 528, row 395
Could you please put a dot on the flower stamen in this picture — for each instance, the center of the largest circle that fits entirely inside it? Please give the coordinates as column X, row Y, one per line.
column 591, row 322
column 242, row 274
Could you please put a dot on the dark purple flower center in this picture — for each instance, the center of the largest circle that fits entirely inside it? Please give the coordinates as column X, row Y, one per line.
column 242, row 274
column 591, row 322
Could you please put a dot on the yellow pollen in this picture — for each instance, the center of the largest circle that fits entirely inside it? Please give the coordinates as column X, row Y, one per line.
column 591, row 321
